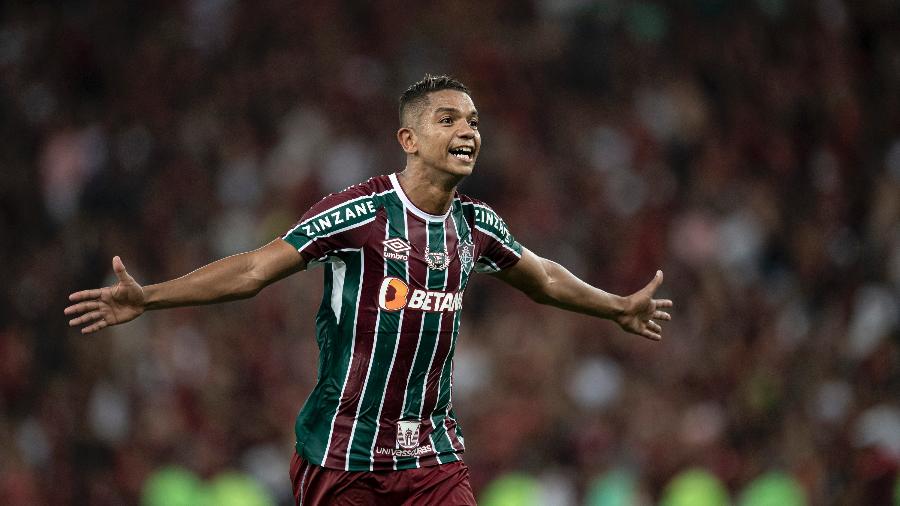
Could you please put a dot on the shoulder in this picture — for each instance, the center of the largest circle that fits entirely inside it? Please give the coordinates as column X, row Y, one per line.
column 348, row 209
column 496, row 246
column 472, row 206
column 363, row 198
column 372, row 188
column 483, row 216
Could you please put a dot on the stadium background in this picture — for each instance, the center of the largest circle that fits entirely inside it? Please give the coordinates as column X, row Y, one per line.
column 750, row 149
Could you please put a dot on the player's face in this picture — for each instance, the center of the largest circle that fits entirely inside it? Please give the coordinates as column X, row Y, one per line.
column 447, row 133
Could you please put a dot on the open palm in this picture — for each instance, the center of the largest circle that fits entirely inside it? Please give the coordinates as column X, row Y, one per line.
column 101, row 307
column 642, row 309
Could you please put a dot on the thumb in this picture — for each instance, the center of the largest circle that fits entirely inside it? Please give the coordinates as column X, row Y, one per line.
column 119, row 269
column 655, row 282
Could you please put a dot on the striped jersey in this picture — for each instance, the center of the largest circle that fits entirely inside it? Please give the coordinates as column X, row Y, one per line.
column 388, row 323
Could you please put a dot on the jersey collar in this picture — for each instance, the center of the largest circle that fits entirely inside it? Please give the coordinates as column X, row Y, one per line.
column 412, row 207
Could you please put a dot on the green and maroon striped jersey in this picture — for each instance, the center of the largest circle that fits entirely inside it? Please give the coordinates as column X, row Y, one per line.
column 388, row 323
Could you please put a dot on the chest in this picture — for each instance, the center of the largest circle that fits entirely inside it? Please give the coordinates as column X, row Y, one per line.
column 431, row 255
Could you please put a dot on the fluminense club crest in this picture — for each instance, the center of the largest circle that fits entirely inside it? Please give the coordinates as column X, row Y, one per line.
column 438, row 260
column 408, row 434
column 466, row 254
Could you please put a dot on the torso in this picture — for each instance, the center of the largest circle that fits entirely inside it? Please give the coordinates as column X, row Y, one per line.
column 388, row 323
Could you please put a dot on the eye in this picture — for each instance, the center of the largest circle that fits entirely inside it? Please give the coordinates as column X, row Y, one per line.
column 447, row 120
column 473, row 123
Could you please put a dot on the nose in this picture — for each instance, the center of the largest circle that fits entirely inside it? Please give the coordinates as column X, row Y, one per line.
column 466, row 132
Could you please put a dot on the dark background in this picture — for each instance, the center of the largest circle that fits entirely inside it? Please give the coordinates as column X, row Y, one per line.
column 749, row 149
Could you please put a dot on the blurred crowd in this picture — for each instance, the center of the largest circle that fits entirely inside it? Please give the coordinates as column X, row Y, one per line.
column 749, row 149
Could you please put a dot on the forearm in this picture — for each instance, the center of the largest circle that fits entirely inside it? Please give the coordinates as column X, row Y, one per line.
column 548, row 282
column 562, row 289
column 230, row 278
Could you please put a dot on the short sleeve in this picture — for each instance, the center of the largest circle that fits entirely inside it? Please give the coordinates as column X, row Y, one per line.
column 339, row 222
column 497, row 248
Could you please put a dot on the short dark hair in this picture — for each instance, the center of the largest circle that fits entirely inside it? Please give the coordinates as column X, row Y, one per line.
column 415, row 95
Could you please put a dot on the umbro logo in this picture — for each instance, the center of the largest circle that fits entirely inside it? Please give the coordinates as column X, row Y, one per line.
column 396, row 249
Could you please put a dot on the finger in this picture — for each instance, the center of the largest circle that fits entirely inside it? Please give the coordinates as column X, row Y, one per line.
column 81, row 320
column 85, row 295
column 655, row 327
column 95, row 327
column 661, row 315
column 655, row 282
column 119, row 269
column 649, row 334
column 663, row 303
column 89, row 317
column 81, row 307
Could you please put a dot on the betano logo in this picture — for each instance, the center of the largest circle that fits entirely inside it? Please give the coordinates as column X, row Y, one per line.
column 395, row 295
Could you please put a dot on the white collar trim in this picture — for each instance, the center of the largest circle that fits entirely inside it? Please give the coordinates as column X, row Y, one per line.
column 412, row 207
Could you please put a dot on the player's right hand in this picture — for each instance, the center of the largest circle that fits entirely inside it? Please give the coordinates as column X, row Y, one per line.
column 643, row 313
column 111, row 305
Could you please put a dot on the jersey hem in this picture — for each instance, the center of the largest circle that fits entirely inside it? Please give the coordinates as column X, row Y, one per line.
column 430, row 460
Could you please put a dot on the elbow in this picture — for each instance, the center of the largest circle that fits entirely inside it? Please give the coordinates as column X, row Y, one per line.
column 540, row 298
column 543, row 289
column 255, row 287
column 543, row 293
column 248, row 288
column 253, row 279
column 251, row 292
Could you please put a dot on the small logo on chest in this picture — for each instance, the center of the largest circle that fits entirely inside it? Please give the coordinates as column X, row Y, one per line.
column 437, row 260
column 466, row 252
column 396, row 249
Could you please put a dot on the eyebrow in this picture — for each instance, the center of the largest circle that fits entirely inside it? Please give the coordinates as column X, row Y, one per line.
column 453, row 110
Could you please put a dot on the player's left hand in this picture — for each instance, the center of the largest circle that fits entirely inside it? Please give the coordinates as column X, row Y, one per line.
column 642, row 312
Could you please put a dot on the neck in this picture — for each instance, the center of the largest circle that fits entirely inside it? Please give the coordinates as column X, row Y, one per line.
column 429, row 191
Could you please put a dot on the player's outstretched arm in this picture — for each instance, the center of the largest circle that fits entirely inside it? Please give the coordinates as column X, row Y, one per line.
column 547, row 282
column 235, row 277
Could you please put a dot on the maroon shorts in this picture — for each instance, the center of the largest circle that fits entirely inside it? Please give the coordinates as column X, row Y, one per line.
column 446, row 484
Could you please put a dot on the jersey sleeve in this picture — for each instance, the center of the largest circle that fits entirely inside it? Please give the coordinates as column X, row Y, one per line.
column 497, row 248
column 338, row 222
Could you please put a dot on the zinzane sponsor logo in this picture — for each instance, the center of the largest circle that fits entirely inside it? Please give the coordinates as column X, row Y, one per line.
column 331, row 220
column 395, row 295
column 490, row 219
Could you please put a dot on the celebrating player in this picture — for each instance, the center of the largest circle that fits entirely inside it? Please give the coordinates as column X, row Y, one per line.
column 397, row 251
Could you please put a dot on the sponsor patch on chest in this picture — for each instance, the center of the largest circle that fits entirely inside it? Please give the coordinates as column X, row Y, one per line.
column 395, row 294
column 437, row 259
column 396, row 249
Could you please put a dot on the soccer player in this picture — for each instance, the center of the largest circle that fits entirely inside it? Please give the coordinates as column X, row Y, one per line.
column 397, row 251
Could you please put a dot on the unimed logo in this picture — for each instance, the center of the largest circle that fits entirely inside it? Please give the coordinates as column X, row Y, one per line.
column 395, row 295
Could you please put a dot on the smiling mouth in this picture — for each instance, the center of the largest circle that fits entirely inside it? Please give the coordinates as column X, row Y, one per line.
column 464, row 153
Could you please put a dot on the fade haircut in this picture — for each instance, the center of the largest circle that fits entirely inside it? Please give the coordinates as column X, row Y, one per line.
column 415, row 97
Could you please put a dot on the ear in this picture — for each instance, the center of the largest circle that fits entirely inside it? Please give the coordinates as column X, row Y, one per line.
column 406, row 136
